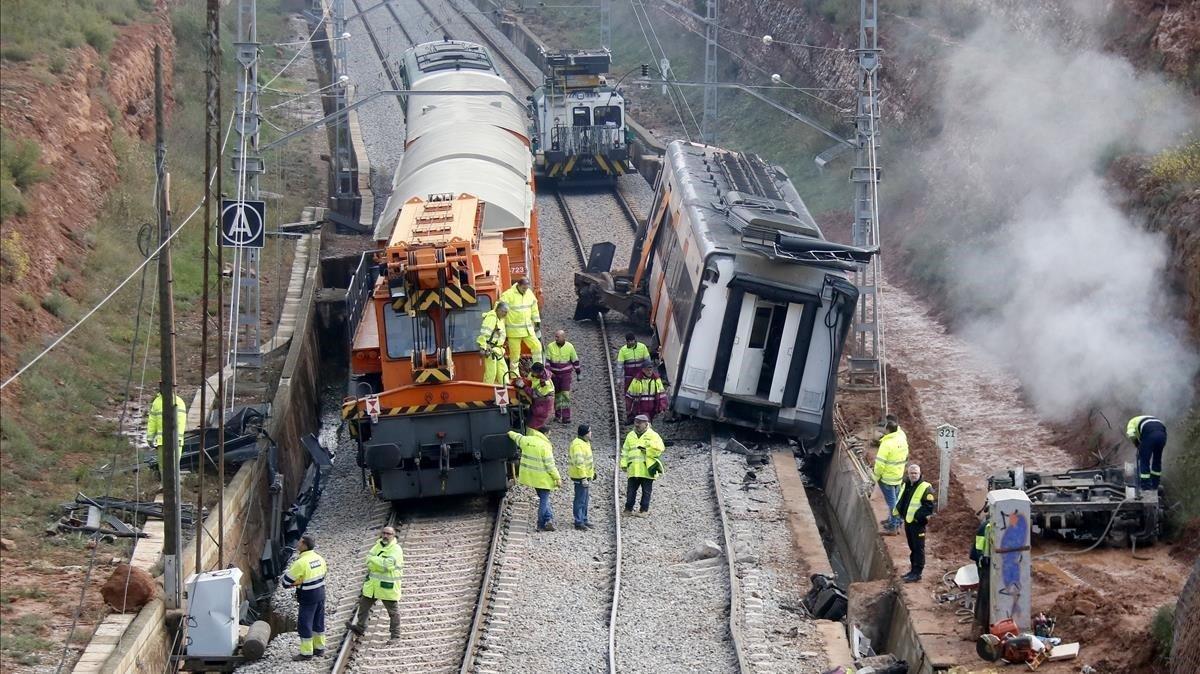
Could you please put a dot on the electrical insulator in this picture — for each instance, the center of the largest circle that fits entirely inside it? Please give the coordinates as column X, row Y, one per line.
column 645, row 70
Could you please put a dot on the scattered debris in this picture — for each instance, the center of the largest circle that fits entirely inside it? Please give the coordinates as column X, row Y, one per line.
column 6, row 544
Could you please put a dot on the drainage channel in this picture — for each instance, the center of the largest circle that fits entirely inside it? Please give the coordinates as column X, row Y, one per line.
column 839, row 496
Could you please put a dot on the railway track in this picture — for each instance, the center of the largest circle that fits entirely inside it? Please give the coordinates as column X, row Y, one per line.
column 736, row 613
column 389, row 69
column 449, row 551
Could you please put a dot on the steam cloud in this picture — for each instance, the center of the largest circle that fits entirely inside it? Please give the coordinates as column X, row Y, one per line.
column 1055, row 280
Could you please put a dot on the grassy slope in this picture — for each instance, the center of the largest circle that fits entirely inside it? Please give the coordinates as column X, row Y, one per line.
column 60, row 427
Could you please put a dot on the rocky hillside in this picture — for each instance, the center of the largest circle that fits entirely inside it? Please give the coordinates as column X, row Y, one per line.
column 68, row 122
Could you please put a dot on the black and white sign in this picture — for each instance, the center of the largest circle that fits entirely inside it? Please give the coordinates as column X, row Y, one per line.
column 243, row 223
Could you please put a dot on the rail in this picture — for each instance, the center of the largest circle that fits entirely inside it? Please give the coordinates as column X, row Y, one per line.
column 478, row 621
column 379, row 51
column 581, row 254
column 736, row 610
column 348, row 641
column 445, row 537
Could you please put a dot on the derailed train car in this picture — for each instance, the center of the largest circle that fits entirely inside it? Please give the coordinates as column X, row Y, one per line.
column 749, row 303
column 458, row 229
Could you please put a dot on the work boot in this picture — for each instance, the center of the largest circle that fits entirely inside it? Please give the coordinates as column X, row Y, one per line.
column 588, row 525
column 355, row 628
column 549, row 527
column 301, row 658
column 319, row 652
column 581, row 527
column 911, row 577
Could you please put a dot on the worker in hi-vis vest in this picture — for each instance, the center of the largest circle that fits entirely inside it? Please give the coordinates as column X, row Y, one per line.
column 523, row 322
column 492, row 342
column 889, row 469
column 307, row 575
column 1149, row 435
column 915, row 506
column 154, row 426
column 385, row 567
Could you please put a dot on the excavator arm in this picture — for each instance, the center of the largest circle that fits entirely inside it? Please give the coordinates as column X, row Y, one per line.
column 599, row 289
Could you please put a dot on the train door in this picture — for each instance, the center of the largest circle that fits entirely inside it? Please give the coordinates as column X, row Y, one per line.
column 761, row 326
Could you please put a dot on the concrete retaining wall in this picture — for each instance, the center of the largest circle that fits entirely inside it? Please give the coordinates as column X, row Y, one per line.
column 854, row 518
column 866, row 554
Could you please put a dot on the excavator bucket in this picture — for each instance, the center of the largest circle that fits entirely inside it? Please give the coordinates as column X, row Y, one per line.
column 600, row 258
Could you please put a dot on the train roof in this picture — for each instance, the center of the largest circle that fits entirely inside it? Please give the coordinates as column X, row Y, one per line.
column 739, row 203
column 476, row 145
column 431, row 57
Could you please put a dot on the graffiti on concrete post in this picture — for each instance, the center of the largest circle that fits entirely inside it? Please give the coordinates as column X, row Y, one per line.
column 1011, row 586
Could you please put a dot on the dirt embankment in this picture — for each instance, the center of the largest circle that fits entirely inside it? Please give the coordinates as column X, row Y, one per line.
column 72, row 118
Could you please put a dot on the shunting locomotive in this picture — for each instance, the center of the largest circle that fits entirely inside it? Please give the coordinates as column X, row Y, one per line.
column 579, row 119
column 748, row 302
column 458, row 229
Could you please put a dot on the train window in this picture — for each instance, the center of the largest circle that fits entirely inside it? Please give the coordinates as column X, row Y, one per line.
column 463, row 326
column 581, row 117
column 607, row 115
column 404, row 332
column 758, row 331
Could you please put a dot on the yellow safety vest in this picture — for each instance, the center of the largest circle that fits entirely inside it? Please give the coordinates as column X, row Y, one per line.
column 892, row 456
column 646, row 387
column 308, row 573
column 561, row 355
column 983, row 546
column 1133, row 430
column 522, row 312
column 541, row 388
column 639, row 452
column 638, row 355
column 491, row 332
column 922, row 492
column 154, row 425
column 579, row 456
column 538, row 469
column 385, row 568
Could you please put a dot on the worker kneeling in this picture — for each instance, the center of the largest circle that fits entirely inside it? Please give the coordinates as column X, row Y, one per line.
column 307, row 575
column 491, row 342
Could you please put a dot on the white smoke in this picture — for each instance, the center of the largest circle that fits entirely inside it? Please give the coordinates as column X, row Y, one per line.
column 1055, row 280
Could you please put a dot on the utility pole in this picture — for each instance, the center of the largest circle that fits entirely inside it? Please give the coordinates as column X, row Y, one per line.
column 247, row 167
column 708, row 124
column 346, row 203
column 606, row 24
column 711, row 21
column 212, row 153
column 172, row 536
column 865, row 366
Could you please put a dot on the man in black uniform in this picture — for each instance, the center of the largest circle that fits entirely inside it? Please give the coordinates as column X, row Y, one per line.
column 914, row 506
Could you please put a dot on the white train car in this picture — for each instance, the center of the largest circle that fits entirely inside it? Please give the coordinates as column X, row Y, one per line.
column 749, row 303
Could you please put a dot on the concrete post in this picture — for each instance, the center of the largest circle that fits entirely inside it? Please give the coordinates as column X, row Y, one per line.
column 1011, row 588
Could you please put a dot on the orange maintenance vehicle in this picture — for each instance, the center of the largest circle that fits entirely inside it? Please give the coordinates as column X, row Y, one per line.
column 458, row 230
